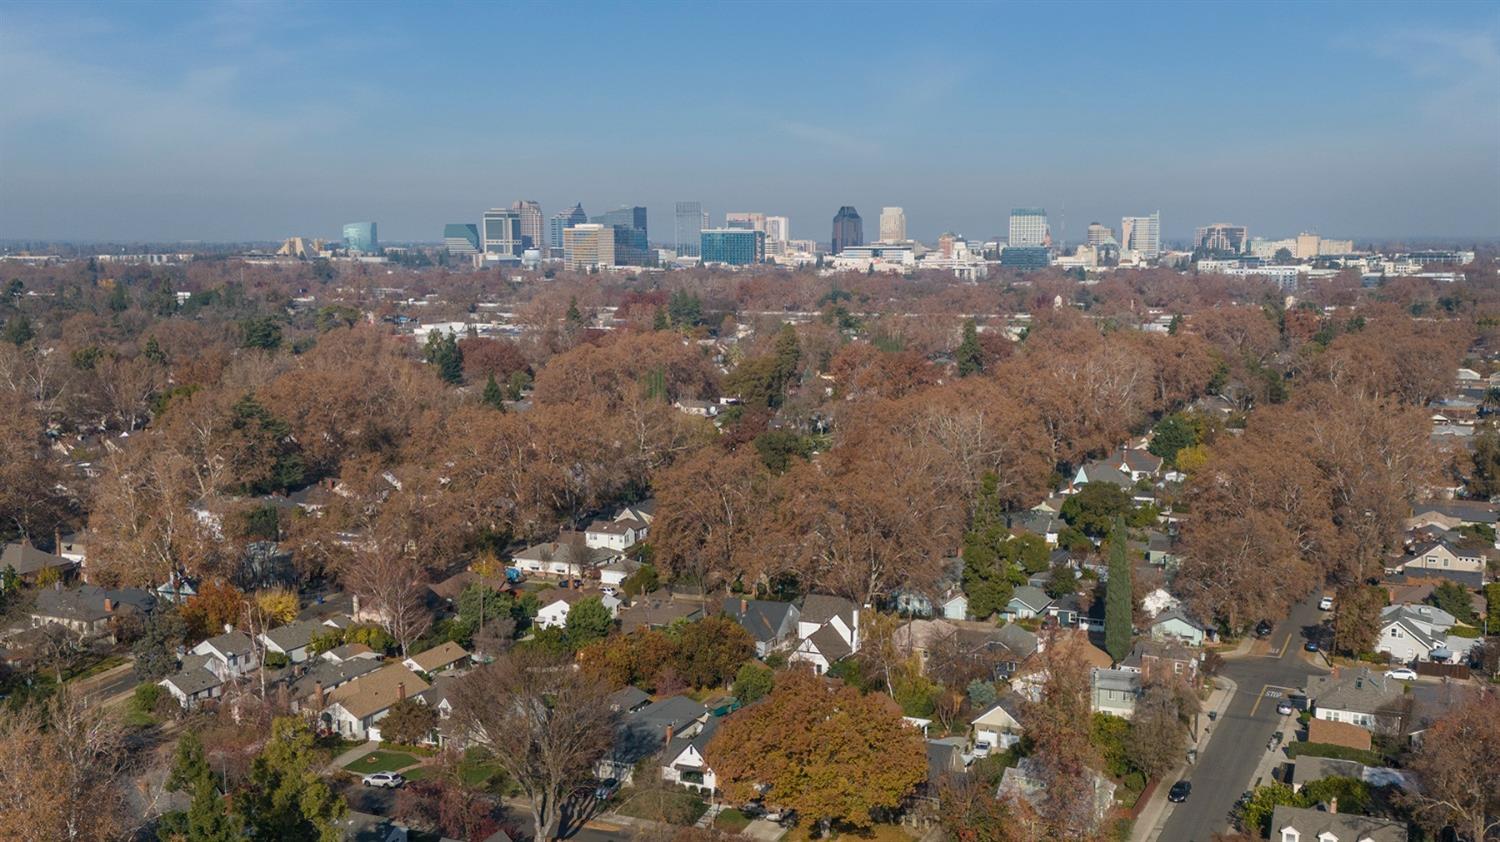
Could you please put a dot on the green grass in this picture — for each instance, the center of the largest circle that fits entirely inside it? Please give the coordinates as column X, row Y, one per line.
column 732, row 821
column 1338, row 752
column 673, row 806
column 95, row 668
column 381, row 761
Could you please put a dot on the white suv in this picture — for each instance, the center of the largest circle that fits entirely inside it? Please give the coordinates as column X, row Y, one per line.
column 388, row 780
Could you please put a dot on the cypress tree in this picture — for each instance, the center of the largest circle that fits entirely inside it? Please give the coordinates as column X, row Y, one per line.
column 1117, row 596
column 493, row 397
column 968, row 353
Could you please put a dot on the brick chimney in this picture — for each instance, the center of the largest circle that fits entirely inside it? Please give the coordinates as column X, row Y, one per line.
column 109, row 605
column 401, row 691
column 1333, row 804
column 319, row 699
column 744, row 606
column 669, row 734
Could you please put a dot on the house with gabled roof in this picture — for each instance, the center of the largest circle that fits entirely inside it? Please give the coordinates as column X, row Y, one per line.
column 685, row 763
column 1025, row 602
column 571, row 559
column 29, row 562
column 1443, row 559
column 232, row 654
column 645, row 731
column 444, row 656
column 195, row 682
column 1176, row 624
column 1326, row 824
column 1000, row 726
column 658, row 610
column 355, row 709
column 773, row 625
column 292, row 639
column 1419, row 632
column 87, row 609
column 1358, row 696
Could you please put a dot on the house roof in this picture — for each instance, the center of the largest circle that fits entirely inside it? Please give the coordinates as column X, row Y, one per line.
column 642, row 733
column 1308, row 769
column 1123, row 681
column 820, row 608
column 1359, row 690
column 656, row 611
column 1311, row 823
column 697, row 741
column 439, row 656
column 1018, row 640
column 762, row 618
column 348, row 651
column 1010, row 702
column 375, row 691
column 616, row 527
column 1337, row 733
column 27, row 559
column 1468, row 511
column 628, row 698
column 945, row 756
column 195, row 676
column 1032, row 597
column 294, row 635
column 230, row 643
column 331, row 675
column 86, row 602
column 567, row 552
column 1176, row 613
column 829, row 644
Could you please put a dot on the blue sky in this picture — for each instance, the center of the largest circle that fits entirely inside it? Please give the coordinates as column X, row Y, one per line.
column 167, row 120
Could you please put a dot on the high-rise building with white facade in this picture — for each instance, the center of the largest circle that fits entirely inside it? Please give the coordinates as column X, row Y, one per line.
column 533, row 224
column 778, row 232
column 892, row 225
column 1099, row 233
column 588, row 245
column 500, row 230
column 1028, row 228
column 563, row 221
column 688, row 222
column 745, row 220
column 1222, row 237
column 1142, row 235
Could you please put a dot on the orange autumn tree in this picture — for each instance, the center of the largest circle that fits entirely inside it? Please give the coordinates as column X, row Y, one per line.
column 822, row 748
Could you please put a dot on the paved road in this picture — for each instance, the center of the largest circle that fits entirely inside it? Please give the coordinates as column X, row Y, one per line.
column 1226, row 767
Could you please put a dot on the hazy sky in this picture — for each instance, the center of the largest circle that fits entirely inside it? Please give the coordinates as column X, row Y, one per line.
column 167, row 120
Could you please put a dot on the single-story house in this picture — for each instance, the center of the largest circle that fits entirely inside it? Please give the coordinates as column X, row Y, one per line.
column 558, row 602
column 999, row 727
column 232, row 654
column 355, row 709
column 618, row 535
column 292, row 639
column 1311, row 824
column 614, row 574
column 1358, row 696
column 1026, row 602
column 309, row 690
column 657, row 611
column 177, row 589
column 1114, row 691
column 350, row 652
column 444, row 656
column 1307, row 769
column 772, row 624
column 567, row 559
column 86, row 609
column 195, row 682
column 1175, row 623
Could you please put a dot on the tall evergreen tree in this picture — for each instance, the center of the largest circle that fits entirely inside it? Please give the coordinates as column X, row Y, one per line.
column 18, row 330
column 968, row 355
column 287, row 798
column 493, row 397
column 207, row 818
column 1117, row 596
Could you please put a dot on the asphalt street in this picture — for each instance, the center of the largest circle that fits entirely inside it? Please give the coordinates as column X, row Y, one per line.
column 1224, row 770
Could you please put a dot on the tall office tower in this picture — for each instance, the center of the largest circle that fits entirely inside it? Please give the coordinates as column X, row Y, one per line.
column 734, row 246
column 1307, row 246
column 892, row 225
column 563, row 221
column 588, row 246
column 778, row 233
column 848, row 229
column 1099, row 234
column 1222, row 237
column 1141, row 234
column 745, row 221
column 360, row 237
column 533, row 225
column 461, row 239
column 1028, row 228
column 688, row 221
column 629, row 223
column 500, row 230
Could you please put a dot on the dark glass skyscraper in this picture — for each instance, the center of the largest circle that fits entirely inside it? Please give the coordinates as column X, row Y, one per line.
column 848, row 229
column 631, row 247
column 562, row 222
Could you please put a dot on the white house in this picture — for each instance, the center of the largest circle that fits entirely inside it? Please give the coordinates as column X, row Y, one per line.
column 554, row 613
column 231, row 654
column 568, row 559
column 292, row 639
column 195, row 683
column 999, row 728
column 445, row 656
column 1175, row 624
column 355, row 709
column 1417, row 632
column 684, row 762
column 827, row 631
column 1354, row 696
column 618, row 535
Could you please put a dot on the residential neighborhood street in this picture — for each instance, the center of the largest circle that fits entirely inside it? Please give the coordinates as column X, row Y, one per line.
column 1226, row 767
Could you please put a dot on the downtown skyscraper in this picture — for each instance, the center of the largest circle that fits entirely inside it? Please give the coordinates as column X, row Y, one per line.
column 563, row 221
column 1028, row 228
column 533, row 226
column 1141, row 234
column 688, row 221
column 848, row 229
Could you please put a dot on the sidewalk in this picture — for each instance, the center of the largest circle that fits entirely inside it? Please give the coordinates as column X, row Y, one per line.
column 1152, row 817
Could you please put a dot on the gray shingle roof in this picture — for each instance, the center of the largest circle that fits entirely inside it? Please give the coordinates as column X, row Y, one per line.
column 296, row 634
column 1310, row 823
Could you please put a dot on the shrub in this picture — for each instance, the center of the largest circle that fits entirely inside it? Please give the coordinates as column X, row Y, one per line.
column 1337, row 752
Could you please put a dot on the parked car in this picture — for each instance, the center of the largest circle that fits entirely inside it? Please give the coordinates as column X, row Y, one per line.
column 1275, row 741
column 1402, row 674
column 386, row 780
column 1284, row 707
column 1263, row 628
column 606, row 789
column 1325, row 604
column 981, row 749
column 1310, row 646
column 1179, row 792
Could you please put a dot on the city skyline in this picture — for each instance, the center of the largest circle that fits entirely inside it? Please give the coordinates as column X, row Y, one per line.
column 259, row 121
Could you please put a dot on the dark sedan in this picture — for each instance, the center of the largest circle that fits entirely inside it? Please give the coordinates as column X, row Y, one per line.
column 1179, row 792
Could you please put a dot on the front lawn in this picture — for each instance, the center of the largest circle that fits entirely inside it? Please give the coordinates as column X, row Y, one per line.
column 673, row 806
column 732, row 821
column 381, row 760
column 876, row 833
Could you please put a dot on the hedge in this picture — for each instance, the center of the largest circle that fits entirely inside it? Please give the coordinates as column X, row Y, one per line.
column 1337, row 752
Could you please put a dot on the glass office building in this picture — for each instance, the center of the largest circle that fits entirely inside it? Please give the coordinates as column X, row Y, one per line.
column 689, row 221
column 629, row 222
column 501, row 230
column 562, row 222
column 848, row 229
column 461, row 238
column 360, row 237
column 734, row 246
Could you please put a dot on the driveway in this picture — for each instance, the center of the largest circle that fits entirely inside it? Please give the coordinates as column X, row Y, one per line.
column 1226, row 768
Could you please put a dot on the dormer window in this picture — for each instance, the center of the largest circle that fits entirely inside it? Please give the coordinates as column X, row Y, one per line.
column 1289, row 834
column 1327, row 836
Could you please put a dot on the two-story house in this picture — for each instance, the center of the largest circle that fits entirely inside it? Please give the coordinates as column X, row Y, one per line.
column 773, row 625
column 827, row 631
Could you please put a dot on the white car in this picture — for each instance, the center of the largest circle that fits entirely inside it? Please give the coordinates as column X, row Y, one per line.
column 388, row 780
column 1325, row 604
column 1402, row 674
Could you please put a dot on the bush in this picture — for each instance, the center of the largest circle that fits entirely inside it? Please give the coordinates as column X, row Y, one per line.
column 1469, row 632
column 276, row 661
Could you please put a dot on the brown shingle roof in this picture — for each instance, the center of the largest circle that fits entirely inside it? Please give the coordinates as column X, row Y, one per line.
column 372, row 693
